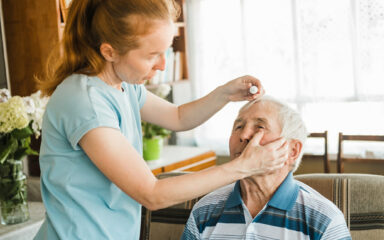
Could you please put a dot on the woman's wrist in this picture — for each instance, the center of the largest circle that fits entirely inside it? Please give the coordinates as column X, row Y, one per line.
column 233, row 169
column 221, row 95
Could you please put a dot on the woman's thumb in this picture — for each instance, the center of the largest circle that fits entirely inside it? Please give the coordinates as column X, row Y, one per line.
column 255, row 141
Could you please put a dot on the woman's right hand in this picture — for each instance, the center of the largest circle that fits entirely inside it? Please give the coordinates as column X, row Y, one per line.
column 259, row 160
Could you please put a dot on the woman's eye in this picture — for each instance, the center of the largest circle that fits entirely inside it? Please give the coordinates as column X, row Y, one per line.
column 238, row 127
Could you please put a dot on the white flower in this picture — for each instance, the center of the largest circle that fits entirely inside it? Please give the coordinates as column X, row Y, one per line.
column 17, row 112
column 5, row 95
column 163, row 90
column 29, row 105
column 36, row 107
column 13, row 115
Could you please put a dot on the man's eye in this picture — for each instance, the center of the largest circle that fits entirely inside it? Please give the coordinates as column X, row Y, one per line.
column 238, row 127
column 260, row 127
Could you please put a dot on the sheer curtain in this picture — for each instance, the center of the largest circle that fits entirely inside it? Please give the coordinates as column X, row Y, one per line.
column 324, row 57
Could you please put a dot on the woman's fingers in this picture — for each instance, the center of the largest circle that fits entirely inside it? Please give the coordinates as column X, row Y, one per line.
column 239, row 89
column 276, row 144
column 267, row 158
column 255, row 141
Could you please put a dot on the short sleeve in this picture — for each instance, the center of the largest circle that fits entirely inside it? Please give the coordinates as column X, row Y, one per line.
column 77, row 106
column 100, row 111
column 141, row 93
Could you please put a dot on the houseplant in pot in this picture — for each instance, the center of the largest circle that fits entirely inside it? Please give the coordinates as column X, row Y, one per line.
column 153, row 135
column 20, row 118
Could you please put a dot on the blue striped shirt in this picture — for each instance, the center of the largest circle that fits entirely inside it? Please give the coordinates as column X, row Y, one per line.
column 295, row 211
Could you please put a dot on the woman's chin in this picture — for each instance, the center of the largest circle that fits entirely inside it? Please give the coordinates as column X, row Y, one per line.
column 142, row 81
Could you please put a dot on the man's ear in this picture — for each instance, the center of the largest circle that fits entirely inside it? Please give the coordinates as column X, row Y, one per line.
column 294, row 150
column 108, row 52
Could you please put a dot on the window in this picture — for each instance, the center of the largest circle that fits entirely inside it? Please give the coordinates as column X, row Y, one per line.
column 324, row 57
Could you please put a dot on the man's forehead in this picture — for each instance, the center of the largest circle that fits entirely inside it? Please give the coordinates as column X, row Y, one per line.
column 253, row 119
column 260, row 111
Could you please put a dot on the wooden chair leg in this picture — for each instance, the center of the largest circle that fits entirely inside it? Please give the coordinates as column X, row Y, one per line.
column 340, row 165
column 146, row 216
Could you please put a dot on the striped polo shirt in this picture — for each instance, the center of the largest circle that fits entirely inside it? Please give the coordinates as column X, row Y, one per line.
column 295, row 211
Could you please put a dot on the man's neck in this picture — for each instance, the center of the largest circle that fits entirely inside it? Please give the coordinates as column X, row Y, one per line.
column 256, row 191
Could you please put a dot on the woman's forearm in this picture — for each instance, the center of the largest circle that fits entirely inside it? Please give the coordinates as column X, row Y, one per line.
column 195, row 113
column 169, row 191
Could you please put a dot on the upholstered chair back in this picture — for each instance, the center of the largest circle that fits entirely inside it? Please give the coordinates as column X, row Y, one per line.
column 359, row 196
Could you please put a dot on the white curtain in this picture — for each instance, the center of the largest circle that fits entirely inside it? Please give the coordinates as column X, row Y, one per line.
column 324, row 57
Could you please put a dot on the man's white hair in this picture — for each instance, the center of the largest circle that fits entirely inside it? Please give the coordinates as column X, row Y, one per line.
column 292, row 125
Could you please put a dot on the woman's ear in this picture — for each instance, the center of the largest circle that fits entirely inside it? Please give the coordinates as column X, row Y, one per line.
column 295, row 148
column 108, row 52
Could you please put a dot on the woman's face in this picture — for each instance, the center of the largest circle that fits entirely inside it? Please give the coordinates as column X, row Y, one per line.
column 139, row 65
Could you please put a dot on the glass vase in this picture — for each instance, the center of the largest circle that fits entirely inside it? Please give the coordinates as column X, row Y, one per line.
column 13, row 193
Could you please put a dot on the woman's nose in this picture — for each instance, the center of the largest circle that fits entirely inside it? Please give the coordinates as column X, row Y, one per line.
column 160, row 64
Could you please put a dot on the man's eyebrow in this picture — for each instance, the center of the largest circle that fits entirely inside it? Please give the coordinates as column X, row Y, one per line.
column 263, row 121
column 238, row 120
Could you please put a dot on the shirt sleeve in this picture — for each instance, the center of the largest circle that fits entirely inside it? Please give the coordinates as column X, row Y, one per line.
column 141, row 93
column 337, row 229
column 191, row 232
column 89, row 112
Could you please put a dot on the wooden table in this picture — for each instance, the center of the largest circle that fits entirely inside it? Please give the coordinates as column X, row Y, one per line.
column 182, row 158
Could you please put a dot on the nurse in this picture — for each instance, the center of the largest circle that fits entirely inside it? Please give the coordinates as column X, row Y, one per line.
column 93, row 177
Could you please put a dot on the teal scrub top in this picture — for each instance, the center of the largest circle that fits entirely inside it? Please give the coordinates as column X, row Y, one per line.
column 80, row 202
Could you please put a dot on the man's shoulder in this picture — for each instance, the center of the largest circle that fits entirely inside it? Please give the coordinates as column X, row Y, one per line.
column 312, row 199
column 215, row 199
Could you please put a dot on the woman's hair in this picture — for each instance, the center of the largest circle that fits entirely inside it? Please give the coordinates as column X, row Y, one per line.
column 93, row 22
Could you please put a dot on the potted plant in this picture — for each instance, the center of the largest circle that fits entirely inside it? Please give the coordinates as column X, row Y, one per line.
column 20, row 118
column 153, row 135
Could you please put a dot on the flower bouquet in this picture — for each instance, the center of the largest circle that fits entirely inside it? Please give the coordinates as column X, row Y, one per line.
column 20, row 118
column 153, row 135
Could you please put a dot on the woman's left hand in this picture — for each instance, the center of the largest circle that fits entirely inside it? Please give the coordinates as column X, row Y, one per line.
column 238, row 89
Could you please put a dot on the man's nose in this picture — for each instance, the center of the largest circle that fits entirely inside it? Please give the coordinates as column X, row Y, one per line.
column 247, row 134
column 160, row 64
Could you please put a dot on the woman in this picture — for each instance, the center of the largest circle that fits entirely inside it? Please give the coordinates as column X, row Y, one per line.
column 93, row 177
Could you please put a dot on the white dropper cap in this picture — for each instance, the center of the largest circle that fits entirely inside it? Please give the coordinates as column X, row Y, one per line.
column 253, row 89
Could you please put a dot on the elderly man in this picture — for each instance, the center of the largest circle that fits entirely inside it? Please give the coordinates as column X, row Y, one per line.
column 273, row 206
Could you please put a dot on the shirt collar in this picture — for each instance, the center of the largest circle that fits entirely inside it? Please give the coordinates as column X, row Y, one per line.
column 234, row 198
column 284, row 197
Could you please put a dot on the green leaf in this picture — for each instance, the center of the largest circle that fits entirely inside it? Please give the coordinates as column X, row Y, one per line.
column 20, row 152
column 22, row 133
column 7, row 149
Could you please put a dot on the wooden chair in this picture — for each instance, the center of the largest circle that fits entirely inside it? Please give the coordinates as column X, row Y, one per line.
column 167, row 223
column 324, row 156
column 340, row 155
